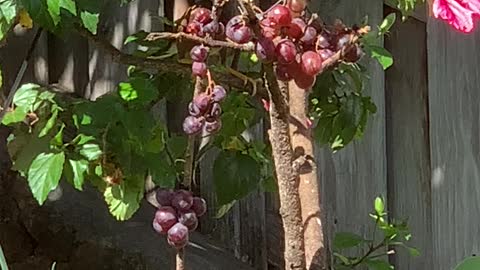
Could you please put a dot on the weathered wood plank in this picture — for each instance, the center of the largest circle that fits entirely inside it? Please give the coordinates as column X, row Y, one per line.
column 408, row 150
column 351, row 178
column 454, row 79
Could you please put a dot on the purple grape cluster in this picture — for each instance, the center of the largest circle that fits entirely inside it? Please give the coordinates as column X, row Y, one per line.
column 177, row 215
column 201, row 23
column 205, row 112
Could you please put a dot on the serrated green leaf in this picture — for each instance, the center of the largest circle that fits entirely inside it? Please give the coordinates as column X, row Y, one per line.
column 472, row 263
column 344, row 240
column 387, row 23
column 90, row 21
column 90, row 151
column 15, row 116
column 55, row 6
column 235, row 176
column 384, row 57
column 44, row 174
column 124, row 200
column 26, row 95
column 50, row 123
column 139, row 90
column 8, row 13
column 76, row 172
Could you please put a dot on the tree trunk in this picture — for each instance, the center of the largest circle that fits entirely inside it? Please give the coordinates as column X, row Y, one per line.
column 303, row 145
column 290, row 206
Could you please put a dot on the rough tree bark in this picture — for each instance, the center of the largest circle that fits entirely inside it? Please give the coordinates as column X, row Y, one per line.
column 303, row 145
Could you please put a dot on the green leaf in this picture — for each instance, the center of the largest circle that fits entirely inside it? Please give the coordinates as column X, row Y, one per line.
column 54, row 7
column 44, row 174
column 139, row 90
column 51, row 122
column 379, row 206
column 384, row 57
column 224, row 209
column 26, row 95
column 472, row 263
column 3, row 261
column 378, row 265
column 17, row 115
column 344, row 240
column 8, row 13
column 387, row 23
column 75, row 172
column 90, row 21
column 124, row 200
column 235, row 176
column 91, row 151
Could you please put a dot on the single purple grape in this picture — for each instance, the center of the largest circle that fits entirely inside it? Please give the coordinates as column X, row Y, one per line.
column 323, row 42
column 166, row 217
column 199, row 206
column 237, row 31
column 213, row 127
column 192, row 125
column 353, row 54
column 202, row 101
column 177, row 236
column 189, row 219
column 326, row 53
column 199, row 53
column 309, row 36
column 342, row 42
column 193, row 110
column 158, row 228
column 211, row 27
column 218, row 93
column 286, row 51
column 199, row 69
column 182, row 200
column 265, row 50
column 164, row 197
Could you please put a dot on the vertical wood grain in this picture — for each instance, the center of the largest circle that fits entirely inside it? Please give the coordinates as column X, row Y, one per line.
column 454, row 80
column 408, row 142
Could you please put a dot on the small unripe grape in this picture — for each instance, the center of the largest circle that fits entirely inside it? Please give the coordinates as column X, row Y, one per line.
column 199, row 69
column 286, row 51
column 178, row 236
column 164, row 197
column 202, row 101
column 280, row 15
column 297, row 6
column 166, row 217
column 265, row 50
column 199, row 206
column 304, row 81
column 311, row 63
column 218, row 93
column 199, row 53
column 213, row 127
column 182, row 200
column 296, row 28
column 201, row 15
column 192, row 125
column 309, row 36
column 189, row 219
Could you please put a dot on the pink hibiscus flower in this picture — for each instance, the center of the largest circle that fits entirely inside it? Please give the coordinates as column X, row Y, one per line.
column 458, row 13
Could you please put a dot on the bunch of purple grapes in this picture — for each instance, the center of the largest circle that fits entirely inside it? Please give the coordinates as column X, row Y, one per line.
column 177, row 215
column 201, row 23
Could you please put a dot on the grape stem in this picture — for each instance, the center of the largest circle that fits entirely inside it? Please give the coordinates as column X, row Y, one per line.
column 180, row 264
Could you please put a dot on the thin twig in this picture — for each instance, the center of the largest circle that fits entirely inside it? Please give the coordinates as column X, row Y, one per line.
column 20, row 74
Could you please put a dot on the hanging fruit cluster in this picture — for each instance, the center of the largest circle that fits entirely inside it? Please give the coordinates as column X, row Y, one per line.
column 177, row 215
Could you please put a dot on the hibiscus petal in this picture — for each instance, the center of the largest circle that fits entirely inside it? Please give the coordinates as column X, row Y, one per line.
column 458, row 13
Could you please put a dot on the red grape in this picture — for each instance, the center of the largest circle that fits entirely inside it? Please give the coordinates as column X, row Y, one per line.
column 193, row 110
column 265, row 50
column 296, row 28
column 158, row 228
column 213, row 127
column 189, row 219
column 269, row 32
column 165, row 217
column 286, row 51
column 326, row 53
column 309, row 35
column 322, row 41
column 194, row 28
column 199, row 53
column 164, row 197
column 192, row 125
column 182, row 200
column 311, row 63
column 237, row 31
column 280, row 15
column 297, row 6
column 199, row 69
column 201, row 15
column 353, row 54
column 202, row 101
column 199, row 206
column 218, row 93
column 304, row 81
column 211, row 27
column 283, row 73
column 178, row 236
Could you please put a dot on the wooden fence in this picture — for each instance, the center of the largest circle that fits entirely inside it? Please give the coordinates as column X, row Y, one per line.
column 421, row 150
